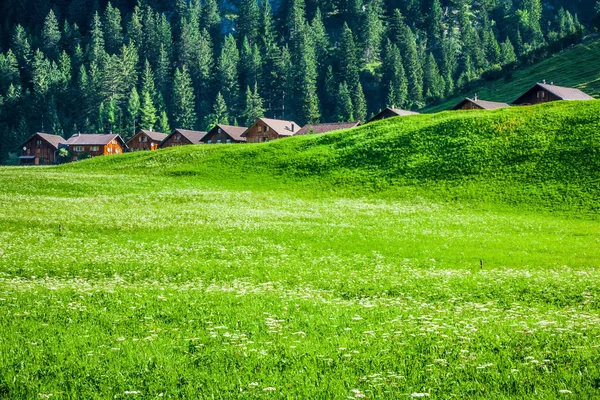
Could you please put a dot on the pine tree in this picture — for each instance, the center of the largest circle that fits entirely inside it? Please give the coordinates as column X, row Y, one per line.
column 133, row 110
column 96, row 52
column 20, row 46
column 359, row 104
column 254, row 107
column 220, row 114
column 393, row 74
column 305, row 79
column 147, row 112
column 434, row 24
column 134, row 28
column 403, row 36
column 183, row 100
column 344, row 108
column 163, row 123
column 148, row 84
column 507, row 51
column 227, row 72
column 432, row 80
column 248, row 21
column 51, row 36
column 211, row 21
column 348, row 59
column 113, row 32
column 372, row 30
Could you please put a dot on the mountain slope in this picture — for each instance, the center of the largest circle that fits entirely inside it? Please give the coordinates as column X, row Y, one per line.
column 574, row 67
column 545, row 155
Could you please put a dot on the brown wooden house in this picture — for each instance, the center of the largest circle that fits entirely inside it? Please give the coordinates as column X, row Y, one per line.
column 392, row 112
column 266, row 129
column 182, row 137
column 225, row 134
column 83, row 146
column 477, row 104
column 41, row 149
column 146, row 140
column 545, row 93
column 326, row 127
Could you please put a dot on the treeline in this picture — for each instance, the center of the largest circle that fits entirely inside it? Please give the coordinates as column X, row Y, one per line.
column 190, row 64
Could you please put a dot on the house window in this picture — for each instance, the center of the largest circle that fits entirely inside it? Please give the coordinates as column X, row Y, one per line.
column 178, row 137
column 117, row 151
column 219, row 130
column 259, row 128
column 266, row 129
column 39, row 142
column 541, row 95
column 144, row 139
column 209, row 141
column 228, row 141
column 218, row 141
column 94, row 148
column 110, row 149
column 78, row 148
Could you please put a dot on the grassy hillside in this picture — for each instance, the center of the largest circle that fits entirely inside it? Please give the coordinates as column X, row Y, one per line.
column 347, row 265
column 575, row 67
column 543, row 156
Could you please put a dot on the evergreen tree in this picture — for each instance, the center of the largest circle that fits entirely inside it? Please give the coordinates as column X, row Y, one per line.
column 393, row 77
column 183, row 100
column 344, row 108
column 348, row 59
column 20, row 46
column 227, row 72
column 51, row 36
column 359, row 103
column 305, row 78
column 254, row 107
column 248, row 21
column 113, row 32
column 96, row 51
column 133, row 110
column 434, row 25
column 163, row 123
column 403, row 36
column 220, row 114
column 134, row 28
column 148, row 112
column 372, row 30
column 507, row 52
column 211, row 21
column 432, row 80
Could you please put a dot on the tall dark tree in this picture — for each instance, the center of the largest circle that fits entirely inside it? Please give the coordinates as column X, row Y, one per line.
column 51, row 36
column 183, row 99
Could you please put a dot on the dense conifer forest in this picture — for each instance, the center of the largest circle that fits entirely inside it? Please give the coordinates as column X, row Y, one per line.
column 96, row 66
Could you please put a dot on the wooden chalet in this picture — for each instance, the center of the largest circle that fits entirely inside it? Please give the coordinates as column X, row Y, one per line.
column 392, row 112
column 146, row 140
column 83, row 145
column 545, row 93
column 326, row 127
column 266, row 129
column 41, row 149
column 182, row 137
column 477, row 104
column 225, row 134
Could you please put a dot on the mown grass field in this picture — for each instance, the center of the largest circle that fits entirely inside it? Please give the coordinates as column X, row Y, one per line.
column 577, row 66
column 335, row 266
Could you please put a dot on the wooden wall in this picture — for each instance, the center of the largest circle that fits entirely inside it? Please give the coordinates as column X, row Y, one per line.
column 44, row 152
column 177, row 139
column 260, row 132
column 135, row 143
column 531, row 97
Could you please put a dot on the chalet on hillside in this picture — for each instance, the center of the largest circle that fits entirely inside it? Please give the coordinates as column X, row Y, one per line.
column 326, row 127
column 391, row 112
column 146, row 140
column 477, row 104
column 225, row 134
column 182, row 137
column 41, row 149
column 545, row 93
column 266, row 129
column 85, row 145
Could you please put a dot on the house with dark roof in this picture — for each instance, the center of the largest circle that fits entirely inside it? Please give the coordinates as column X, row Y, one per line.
column 146, row 140
column 86, row 145
column 266, row 129
column 225, row 134
column 545, row 93
column 477, row 104
column 182, row 137
column 41, row 149
column 390, row 112
column 326, row 127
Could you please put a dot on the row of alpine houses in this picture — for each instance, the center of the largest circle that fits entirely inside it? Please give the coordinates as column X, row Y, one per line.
column 45, row 149
column 48, row 149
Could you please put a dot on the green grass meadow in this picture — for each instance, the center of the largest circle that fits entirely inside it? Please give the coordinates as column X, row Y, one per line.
column 447, row 256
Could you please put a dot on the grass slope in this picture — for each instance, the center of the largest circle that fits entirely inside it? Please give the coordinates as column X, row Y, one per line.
column 543, row 156
column 575, row 67
column 334, row 266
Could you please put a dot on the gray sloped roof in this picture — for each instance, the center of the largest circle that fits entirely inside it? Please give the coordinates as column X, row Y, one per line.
column 156, row 136
column 326, row 127
column 193, row 136
column 566, row 93
column 484, row 104
column 235, row 132
column 92, row 139
column 53, row 140
column 282, row 127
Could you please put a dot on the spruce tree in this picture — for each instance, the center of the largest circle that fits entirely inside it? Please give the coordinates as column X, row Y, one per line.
column 211, row 21
column 393, row 77
column 163, row 123
column 254, row 107
column 248, row 24
column 51, row 36
column 113, row 31
column 19, row 44
column 432, row 80
column 148, row 115
column 344, row 109
column 220, row 114
column 402, row 35
column 133, row 110
column 96, row 51
column 372, row 30
column 134, row 28
column 183, row 100
column 507, row 51
column 227, row 72
column 359, row 104
column 348, row 59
